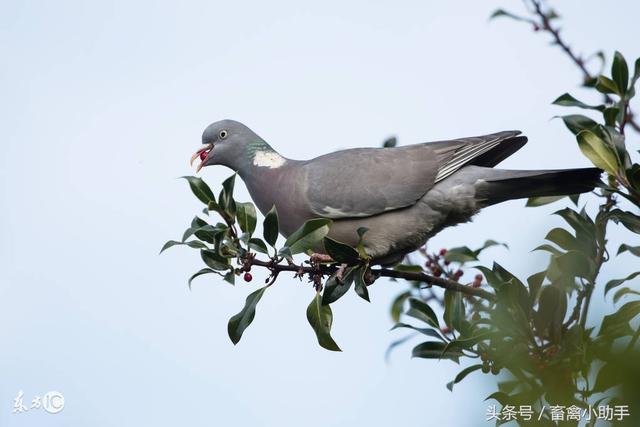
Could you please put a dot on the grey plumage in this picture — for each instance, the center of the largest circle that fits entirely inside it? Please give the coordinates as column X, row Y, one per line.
column 402, row 195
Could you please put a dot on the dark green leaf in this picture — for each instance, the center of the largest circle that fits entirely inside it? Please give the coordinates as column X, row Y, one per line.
column 617, row 282
column 334, row 289
column 214, row 260
column 609, row 375
column 503, row 13
column 620, row 72
column 567, row 100
column 542, row 200
column 629, row 220
column 308, row 235
column 552, row 308
column 320, row 318
column 271, row 227
column 192, row 244
column 435, row 350
column 453, row 309
column 425, row 331
column 239, row 322
column 200, row 189
column 340, row 252
column 576, row 123
column 360, row 285
column 397, row 305
column 634, row 79
column 247, row 217
column 420, row 310
column 622, row 292
column 258, row 245
column 625, row 314
column 635, row 250
column 462, row 374
column 606, row 85
column 390, row 142
column 200, row 273
column 225, row 199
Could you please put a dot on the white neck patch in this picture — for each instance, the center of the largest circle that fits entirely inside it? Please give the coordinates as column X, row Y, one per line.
column 268, row 159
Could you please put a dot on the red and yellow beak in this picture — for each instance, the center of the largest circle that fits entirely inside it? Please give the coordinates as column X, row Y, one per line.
column 203, row 153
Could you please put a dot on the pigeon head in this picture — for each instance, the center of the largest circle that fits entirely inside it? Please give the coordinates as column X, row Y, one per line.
column 228, row 143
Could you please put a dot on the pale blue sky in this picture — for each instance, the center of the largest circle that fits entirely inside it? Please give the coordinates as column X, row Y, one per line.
column 104, row 102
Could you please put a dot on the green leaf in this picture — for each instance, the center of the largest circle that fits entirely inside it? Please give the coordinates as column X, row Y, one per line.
column 576, row 123
column 390, row 142
column 271, row 227
column 629, row 220
column 200, row 189
column 596, row 150
column 620, row 72
column 225, row 198
column 239, row 322
column 535, row 283
column 621, row 317
column 453, row 309
column 192, row 244
column 609, row 376
column 635, row 250
column 425, row 331
column 340, row 252
column 334, row 289
column 214, row 260
column 552, row 307
column 200, row 273
column 610, row 114
column 562, row 238
column 622, row 292
column 634, row 79
column 398, row 305
column 542, row 200
column 247, row 217
column 503, row 13
column 460, row 254
column 308, row 235
column 617, row 282
column 360, row 285
column 420, row 310
column 606, row 85
column 258, row 245
column 320, row 318
column 435, row 350
column 462, row 374
column 567, row 100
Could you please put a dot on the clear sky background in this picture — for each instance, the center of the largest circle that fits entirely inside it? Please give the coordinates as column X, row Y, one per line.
column 104, row 102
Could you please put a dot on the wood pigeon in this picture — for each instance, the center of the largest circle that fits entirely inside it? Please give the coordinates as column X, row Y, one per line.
column 402, row 195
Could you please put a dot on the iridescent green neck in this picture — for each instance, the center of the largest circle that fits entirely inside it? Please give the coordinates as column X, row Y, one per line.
column 256, row 146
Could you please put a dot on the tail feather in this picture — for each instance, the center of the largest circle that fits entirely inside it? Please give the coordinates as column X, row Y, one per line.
column 505, row 185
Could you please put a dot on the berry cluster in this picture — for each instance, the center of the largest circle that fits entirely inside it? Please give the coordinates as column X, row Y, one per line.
column 438, row 265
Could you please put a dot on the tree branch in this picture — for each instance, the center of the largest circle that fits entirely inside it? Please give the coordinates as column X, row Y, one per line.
column 323, row 269
column 576, row 59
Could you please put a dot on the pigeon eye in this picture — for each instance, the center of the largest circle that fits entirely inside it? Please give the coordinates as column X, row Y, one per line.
column 223, row 134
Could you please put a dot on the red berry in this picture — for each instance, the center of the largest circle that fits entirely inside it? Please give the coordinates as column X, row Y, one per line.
column 443, row 252
column 427, row 264
column 437, row 272
column 447, row 262
column 203, row 155
column 248, row 277
column 459, row 274
column 445, row 330
column 479, row 277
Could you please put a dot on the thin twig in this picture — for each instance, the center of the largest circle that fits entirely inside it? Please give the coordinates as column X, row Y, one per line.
column 576, row 59
column 380, row 272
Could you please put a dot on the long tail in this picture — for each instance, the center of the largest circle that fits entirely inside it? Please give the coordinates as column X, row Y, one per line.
column 500, row 185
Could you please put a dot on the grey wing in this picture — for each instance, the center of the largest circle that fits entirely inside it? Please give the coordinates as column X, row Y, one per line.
column 367, row 181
